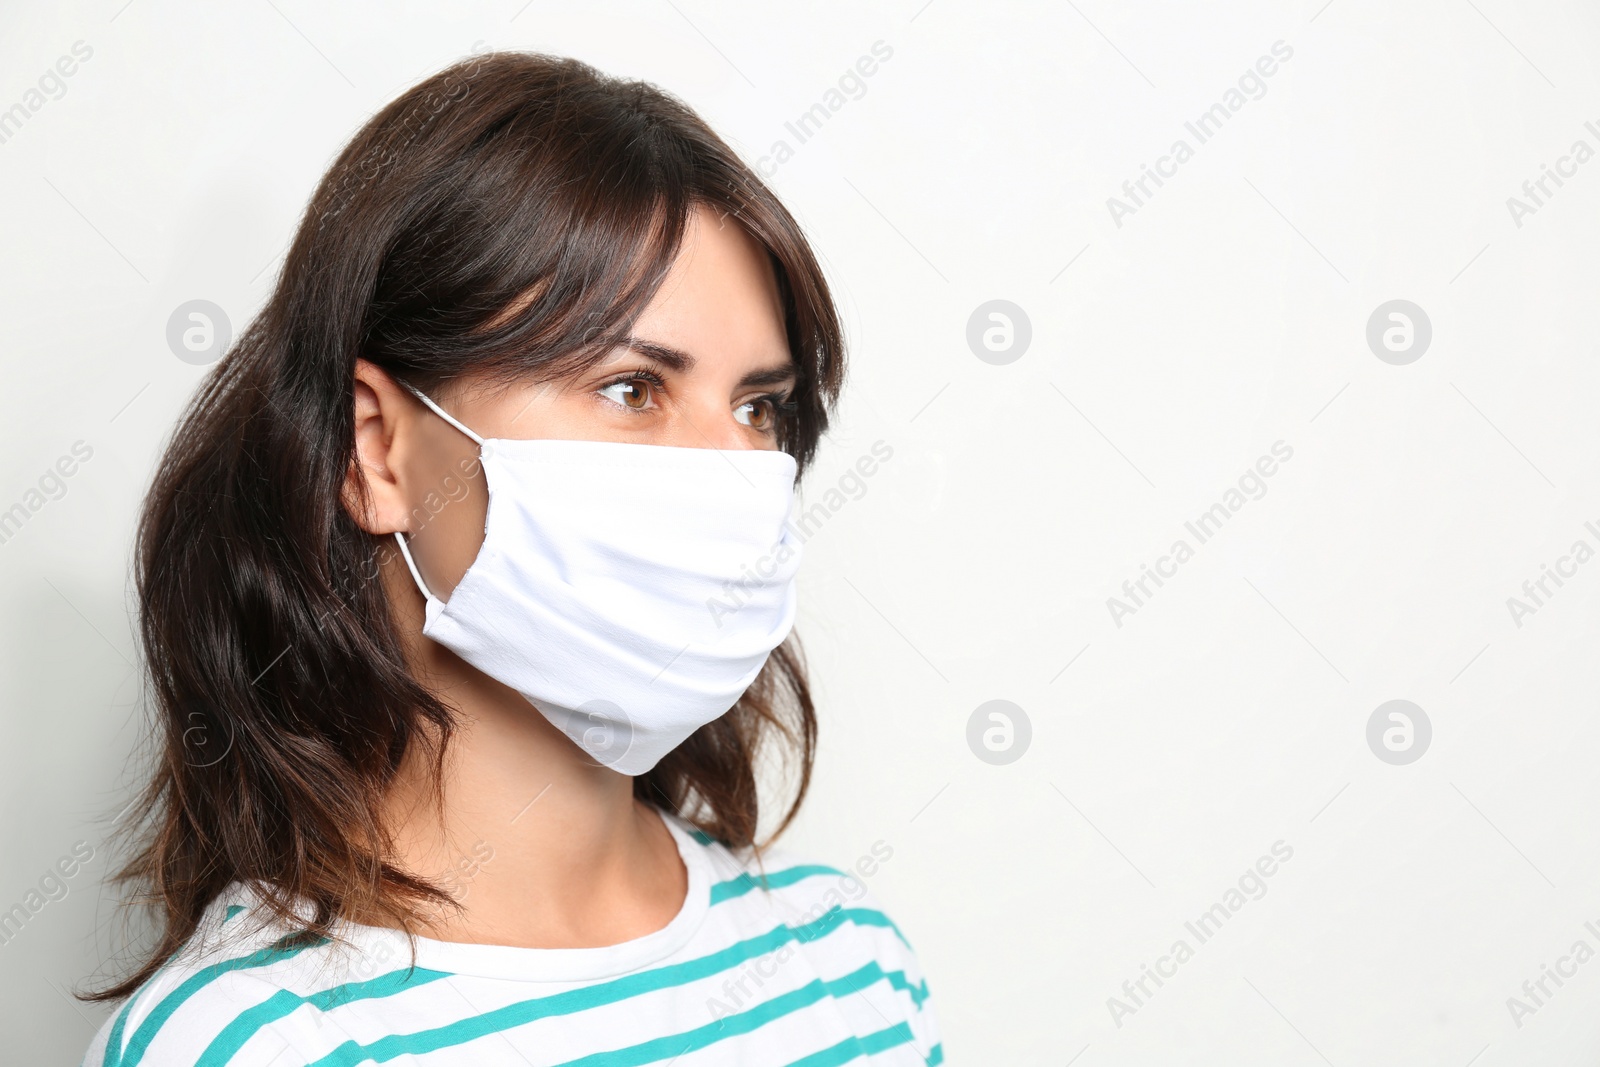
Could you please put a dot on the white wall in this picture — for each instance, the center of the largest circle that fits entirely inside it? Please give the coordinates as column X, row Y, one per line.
column 1170, row 349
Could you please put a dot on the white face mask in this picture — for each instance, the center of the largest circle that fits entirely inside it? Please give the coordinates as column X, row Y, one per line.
column 630, row 592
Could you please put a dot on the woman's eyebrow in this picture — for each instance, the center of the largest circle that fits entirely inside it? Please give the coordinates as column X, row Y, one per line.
column 678, row 360
column 682, row 362
column 769, row 376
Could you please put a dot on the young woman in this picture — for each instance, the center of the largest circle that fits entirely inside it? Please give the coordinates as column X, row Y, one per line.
column 466, row 590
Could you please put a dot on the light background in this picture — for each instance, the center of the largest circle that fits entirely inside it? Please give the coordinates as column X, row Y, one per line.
column 1168, row 353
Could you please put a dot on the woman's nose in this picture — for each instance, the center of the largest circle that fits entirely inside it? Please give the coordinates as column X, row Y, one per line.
column 708, row 424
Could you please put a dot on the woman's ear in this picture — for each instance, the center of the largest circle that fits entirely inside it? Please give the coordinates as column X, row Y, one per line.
column 372, row 491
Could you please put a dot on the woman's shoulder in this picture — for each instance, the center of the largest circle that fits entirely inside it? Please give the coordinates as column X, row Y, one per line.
column 802, row 882
column 833, row 913
column 225, row 997
column 791, row 876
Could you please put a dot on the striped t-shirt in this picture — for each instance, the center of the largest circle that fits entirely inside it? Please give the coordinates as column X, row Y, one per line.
column 799, row 966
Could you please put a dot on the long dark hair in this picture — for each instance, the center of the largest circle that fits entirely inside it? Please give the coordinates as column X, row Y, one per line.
column 512, row 215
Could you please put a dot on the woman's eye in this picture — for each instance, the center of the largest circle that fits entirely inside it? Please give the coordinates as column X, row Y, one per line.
column 763, row 416
column 631, row 393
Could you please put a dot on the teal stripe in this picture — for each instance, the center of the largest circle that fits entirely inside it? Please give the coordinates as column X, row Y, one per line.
column 744, row 1022
column 851, row 1047
column 113, row 1050
column 868, row 917
column 701, row 836
column 576, row 1000
column 738, row 887
column 936, row 1057
column 918, row 993
column 112, row 1054
column 234, row 1036
column 199, row 980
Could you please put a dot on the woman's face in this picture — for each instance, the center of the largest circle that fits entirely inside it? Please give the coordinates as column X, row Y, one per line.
column 707, row 359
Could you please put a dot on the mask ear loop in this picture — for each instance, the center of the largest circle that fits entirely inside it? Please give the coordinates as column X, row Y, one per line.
column 399, row 538
column 442, row 413
column 411, row 565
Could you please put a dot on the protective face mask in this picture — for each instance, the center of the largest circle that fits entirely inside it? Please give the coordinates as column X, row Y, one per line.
column 630, row 592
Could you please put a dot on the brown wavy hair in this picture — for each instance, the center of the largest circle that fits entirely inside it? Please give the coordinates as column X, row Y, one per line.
column 511, row 215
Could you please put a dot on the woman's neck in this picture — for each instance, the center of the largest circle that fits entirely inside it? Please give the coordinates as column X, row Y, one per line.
column 541, row 846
